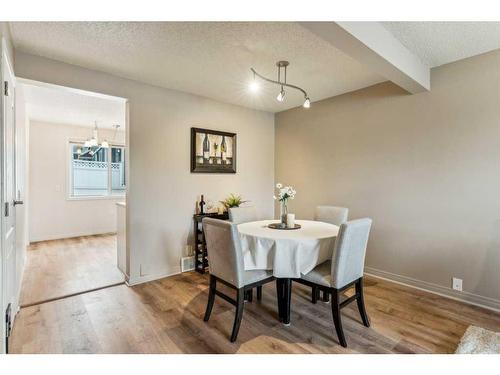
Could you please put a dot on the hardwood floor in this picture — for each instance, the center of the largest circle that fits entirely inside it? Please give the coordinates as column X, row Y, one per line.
column 166, row 316
column 61, row 267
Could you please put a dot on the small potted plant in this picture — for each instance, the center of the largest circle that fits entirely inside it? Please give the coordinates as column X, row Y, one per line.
column 233, row 200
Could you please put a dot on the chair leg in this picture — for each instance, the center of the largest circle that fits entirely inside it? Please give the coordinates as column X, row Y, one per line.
column 240, row 297
column 337, row 320
column 211, row 298
column 259, row 293
column 315, row 294
column 249, row 295
column 361, row 302
column 326, row 297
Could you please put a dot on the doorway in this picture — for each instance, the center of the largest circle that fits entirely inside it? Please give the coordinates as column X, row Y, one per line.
column 75, row 183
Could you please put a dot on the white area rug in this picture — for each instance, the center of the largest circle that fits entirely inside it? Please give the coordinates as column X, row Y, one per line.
column 478, row 340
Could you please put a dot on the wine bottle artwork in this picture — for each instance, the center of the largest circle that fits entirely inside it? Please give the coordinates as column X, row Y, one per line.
column 216, row 149
column 223, row 150
column 212, row 151
column 206, row 149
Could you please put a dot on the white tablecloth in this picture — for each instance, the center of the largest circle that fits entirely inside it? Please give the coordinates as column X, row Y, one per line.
column 287, row 252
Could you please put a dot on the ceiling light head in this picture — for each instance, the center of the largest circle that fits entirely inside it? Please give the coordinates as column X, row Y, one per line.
column 281, row 96
column 254, row 86
column 307, row 103
column 105, row 144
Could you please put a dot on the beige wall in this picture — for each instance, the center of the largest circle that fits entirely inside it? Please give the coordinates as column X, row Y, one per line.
column 51, row 214
column 162, row 191
column 425, row 167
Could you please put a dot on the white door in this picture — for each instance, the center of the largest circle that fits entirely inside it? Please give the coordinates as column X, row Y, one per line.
column 8, row 242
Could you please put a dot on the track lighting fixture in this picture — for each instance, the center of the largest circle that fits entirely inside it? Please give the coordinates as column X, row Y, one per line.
column 282, row 65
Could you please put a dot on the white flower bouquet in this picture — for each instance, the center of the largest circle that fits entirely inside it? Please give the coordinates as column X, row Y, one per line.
column 284, row 194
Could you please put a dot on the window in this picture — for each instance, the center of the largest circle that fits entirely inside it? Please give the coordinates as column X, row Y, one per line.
column 96, row 172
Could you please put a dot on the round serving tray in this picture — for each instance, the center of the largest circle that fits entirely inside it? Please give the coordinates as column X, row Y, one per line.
column 279, row 226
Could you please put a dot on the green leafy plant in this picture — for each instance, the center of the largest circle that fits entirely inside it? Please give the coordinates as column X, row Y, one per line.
column 233, row 201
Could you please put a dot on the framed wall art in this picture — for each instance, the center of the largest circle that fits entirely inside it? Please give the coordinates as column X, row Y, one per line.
column 212, row 151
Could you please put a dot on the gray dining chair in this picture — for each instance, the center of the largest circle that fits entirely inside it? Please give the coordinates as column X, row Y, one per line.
column 225, row 264
column 344, row 271
column 333, row 215
column 238, row 215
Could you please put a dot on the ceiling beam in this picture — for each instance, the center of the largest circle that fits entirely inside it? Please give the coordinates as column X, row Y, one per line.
column 374, row 46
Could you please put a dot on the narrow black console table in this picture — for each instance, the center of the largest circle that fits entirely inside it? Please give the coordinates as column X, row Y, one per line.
column 200, row 247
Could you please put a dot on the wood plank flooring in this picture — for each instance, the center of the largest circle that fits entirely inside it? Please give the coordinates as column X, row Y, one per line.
column 166, row 316
column 62, row 267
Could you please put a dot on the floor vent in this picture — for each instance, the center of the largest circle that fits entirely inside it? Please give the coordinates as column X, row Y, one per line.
column 187, row 264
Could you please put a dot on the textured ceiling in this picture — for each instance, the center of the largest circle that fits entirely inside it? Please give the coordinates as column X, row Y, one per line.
column 212, row 59
column 67, row 107
column 438, row 43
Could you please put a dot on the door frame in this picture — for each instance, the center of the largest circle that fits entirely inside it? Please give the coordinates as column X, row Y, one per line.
column 5, row 59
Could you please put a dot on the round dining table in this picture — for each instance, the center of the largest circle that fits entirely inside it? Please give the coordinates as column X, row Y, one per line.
column 287, row 252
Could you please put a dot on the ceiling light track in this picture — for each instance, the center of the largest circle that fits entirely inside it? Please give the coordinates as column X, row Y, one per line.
column 282, row 65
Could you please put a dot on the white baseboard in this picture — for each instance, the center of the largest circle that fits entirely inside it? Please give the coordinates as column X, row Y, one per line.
column 131, row 281
column 467, row 297
column 67, row 235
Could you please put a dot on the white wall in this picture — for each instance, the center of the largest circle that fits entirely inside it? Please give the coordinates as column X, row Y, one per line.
column 22, row 134
column 425, row 167
column 162, row 191
column 51, row 214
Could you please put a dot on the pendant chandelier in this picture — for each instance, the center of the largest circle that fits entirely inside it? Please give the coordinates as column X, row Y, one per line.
column 92, row 144
column 281, row 82
column 94, row 141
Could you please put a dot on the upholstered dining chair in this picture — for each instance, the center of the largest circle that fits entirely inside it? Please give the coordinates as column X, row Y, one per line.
column 344, row 271
column 225, row 264
column 238, row 215
column 333, row 215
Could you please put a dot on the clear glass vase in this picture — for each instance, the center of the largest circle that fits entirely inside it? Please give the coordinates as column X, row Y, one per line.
column 283, row 212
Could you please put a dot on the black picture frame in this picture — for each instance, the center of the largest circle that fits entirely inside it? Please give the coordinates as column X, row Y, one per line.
column 214, row 163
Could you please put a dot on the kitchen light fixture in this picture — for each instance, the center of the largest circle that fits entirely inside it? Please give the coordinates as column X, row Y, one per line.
column 94, row 141
column 282, row 83
column 105, row 143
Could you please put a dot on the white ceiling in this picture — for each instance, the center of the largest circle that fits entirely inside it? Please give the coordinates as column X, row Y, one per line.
column 59, row 105
column 438, row 43
column 212, row 59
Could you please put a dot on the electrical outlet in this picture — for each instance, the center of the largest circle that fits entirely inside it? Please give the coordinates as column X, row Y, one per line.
column 456, row 284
